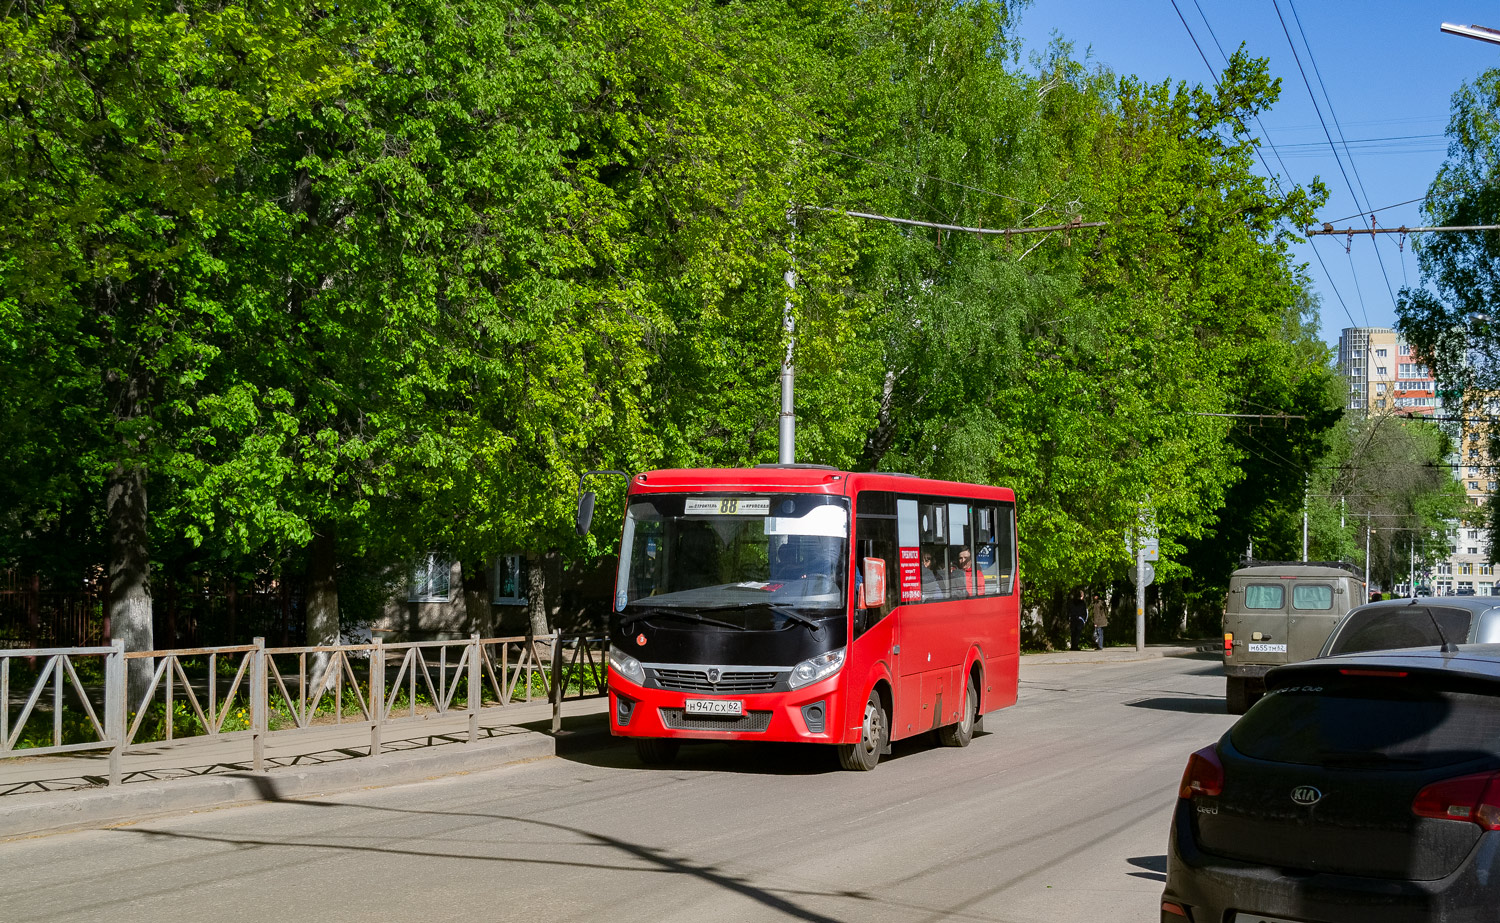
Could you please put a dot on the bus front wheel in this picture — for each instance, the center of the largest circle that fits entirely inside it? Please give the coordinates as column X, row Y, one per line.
column 655, row 751
column 873, row 735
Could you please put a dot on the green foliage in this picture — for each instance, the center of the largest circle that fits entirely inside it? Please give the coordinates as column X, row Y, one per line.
column 397, row 273
column 1450, row 319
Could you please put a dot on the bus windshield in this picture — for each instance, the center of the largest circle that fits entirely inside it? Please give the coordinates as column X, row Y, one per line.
column 755, row 561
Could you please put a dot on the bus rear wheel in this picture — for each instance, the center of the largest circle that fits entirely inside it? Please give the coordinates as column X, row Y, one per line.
column 654, row 751
column 874, row 733
column 959, row 735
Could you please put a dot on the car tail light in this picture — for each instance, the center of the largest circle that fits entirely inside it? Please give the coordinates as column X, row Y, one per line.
column 1173, row 908
column 1204, row 774
column 1228, row 644
column 1474, row 798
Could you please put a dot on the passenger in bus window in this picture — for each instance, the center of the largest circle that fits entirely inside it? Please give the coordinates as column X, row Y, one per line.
column 933, row 582
column 965, row 579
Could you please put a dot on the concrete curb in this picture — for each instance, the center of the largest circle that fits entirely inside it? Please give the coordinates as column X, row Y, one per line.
column 57, row 812
column 1111, row 655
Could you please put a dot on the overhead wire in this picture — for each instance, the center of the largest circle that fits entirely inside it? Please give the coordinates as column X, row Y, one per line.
column 1266, row 135
column 1312, row 58
column 1275, row 4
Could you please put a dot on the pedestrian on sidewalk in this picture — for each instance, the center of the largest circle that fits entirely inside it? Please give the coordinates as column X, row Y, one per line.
column 1100, row 611
column 1078, row 616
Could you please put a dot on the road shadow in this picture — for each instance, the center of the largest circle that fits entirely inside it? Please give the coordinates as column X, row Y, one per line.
column 1196, row 705
column 586, row 739
column 1155, row 867
column 1214, row 670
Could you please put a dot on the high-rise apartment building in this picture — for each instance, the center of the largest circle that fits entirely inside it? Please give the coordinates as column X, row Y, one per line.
column 1382, row 375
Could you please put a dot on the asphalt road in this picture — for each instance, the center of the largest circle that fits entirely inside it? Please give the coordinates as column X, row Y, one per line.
column 1058, row 812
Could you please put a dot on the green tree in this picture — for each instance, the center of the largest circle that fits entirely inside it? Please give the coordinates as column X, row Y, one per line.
column 1450, row 319
column 123, row 123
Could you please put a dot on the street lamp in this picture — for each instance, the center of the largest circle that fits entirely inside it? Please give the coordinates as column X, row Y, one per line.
column 1482, row 33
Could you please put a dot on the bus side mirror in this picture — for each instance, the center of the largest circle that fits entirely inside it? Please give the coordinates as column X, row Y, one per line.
column 585, row 512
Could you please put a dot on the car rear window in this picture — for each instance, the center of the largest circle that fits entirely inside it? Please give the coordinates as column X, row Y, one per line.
column 1264, row 596
column 1389, row 627
column 1378, row 723
column 1312, row 596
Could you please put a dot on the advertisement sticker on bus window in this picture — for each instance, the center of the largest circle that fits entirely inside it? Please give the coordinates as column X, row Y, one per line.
column 727, row 506
column 911, row 575
column 872, row 589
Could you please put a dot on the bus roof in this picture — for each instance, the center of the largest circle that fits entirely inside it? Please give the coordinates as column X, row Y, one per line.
column 805, row 478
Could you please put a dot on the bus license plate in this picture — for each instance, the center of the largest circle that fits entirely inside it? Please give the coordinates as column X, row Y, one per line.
column 729, row 707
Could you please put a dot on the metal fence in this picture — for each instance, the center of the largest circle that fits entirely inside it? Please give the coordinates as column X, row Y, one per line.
column 64, row 700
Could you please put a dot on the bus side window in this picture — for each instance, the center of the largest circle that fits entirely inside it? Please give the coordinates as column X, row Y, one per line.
column 1005, row 541
column 933, row 522
column 986, row 549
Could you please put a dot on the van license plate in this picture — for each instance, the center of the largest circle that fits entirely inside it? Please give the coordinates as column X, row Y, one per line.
column 1256, row 648
column 731, row 707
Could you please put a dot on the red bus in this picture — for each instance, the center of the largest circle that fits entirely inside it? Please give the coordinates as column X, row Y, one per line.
column 803, row 603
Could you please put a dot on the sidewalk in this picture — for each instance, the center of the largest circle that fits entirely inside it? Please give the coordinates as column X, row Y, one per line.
column 51, row 794
column 1122, row 654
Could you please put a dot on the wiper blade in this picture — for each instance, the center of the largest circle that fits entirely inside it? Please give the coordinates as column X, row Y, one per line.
column 794, row 615
column 627, row 618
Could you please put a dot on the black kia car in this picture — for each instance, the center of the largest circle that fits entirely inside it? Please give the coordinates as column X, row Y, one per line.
column 1363, row 788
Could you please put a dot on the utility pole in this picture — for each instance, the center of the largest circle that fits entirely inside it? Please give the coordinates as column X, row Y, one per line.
column 1367, row 554
column 786, row 453
column 1411, row 578
column 1304, row 520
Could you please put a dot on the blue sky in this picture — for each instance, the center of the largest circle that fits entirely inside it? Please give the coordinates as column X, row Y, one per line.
column 1389, row 75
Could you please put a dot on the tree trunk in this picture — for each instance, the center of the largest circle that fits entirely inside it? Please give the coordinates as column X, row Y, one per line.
column 129, row 558
column 476, row 583
column 536, row 593
column 322, row 599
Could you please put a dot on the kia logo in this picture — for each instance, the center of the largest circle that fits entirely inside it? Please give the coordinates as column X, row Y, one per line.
column 713, row 676
column 1306, row 795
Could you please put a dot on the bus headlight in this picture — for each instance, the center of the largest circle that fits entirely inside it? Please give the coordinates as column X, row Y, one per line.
column 627, row 666
column 816, row 668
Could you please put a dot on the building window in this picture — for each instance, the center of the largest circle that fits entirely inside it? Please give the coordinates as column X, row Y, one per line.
column 1472, row 551
column 1445, row 568
column 1405, row 350
column 431, row 579
column 1466, row 570
column 509, row 580
column 1486, row 570
column 1379, row 354
column 1473, row 485
column 1380, row 387
column 1380, row 370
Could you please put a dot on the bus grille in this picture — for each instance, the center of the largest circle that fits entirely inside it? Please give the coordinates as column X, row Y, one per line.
column 730, row 682
column 675, row 719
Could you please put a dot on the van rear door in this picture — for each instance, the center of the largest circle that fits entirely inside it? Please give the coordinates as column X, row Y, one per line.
column 1260, row 624
column 1314, row 607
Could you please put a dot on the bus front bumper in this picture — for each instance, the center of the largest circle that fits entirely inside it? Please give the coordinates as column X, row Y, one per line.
column 811, row 714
